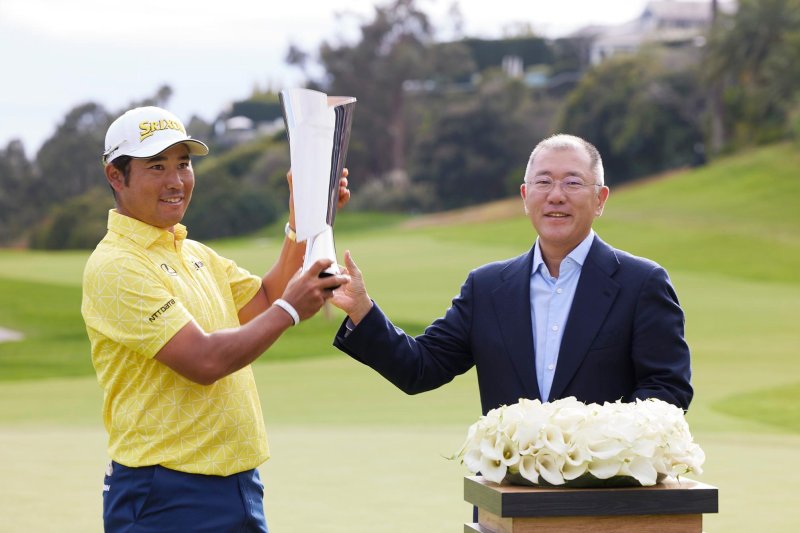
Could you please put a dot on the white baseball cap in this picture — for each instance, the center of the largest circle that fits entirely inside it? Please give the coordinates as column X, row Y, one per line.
column 145, row 132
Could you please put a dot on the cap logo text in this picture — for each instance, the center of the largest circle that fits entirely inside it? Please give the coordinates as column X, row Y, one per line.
column 148, row 128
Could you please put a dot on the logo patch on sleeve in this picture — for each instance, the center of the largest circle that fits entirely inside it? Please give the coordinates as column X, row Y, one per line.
column 161, row 310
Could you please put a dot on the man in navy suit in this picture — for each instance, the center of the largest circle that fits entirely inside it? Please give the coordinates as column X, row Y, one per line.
column 571, row 317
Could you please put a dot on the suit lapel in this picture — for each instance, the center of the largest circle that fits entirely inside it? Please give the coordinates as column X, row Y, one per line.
column 594, row 295
column 512, row 306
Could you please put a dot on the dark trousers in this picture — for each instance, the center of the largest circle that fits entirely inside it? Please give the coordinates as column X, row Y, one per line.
column 154, row 499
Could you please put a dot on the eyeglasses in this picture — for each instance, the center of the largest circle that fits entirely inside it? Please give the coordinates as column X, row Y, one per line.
column 568, row 185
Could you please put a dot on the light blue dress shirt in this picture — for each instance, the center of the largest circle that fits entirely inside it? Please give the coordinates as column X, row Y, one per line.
column 551, row 300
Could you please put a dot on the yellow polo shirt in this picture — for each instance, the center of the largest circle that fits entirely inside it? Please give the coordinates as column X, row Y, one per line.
column 141, row 285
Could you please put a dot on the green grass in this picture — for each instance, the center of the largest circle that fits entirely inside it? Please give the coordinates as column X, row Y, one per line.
column 49, row 316
column 779, row 406
column 739, row 217
column 351, row 453
column 345, row 223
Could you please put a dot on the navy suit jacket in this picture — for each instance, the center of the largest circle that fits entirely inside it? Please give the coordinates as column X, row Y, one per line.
column 624, row 337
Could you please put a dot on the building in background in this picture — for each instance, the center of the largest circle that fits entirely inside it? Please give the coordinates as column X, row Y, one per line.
column 672, row 23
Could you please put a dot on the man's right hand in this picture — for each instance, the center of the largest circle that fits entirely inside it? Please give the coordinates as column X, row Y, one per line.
column 353, row 298
column 307, row 292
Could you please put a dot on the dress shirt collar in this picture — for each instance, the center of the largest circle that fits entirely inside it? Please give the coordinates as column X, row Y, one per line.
column 578, row 254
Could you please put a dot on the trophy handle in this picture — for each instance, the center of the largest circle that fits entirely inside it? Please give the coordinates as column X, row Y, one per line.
column 343, row 107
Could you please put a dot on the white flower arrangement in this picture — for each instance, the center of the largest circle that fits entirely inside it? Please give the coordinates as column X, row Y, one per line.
column 567, row 442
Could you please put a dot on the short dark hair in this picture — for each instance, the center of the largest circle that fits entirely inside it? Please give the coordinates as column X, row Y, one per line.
column 123, row 164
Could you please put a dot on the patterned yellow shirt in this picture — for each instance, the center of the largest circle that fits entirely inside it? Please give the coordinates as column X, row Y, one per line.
column 141, row 285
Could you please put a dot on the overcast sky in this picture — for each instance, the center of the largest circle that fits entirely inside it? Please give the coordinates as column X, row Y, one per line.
column 58, row 54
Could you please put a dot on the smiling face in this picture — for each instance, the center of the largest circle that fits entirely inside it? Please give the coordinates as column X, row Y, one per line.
column 562, row 219
column 158, row 189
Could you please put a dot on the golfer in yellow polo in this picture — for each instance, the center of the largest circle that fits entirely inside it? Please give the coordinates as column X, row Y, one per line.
column 173, row 328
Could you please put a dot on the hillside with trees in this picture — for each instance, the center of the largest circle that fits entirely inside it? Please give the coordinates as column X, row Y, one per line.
column 441, row 125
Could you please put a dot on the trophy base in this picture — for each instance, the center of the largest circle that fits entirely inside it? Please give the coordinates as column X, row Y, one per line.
column 328, row 273
column 321, row 247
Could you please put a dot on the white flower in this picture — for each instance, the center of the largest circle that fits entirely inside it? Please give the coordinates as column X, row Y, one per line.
column 549, row 465
column 493, row 469
column 553, row 439
column 576, row 461
column 562, row 441
column 604, row 468
column 528, row 468
column 529, row 434
column 500, row 447
column 602, row 446
column 641, row 469
column 472, row 460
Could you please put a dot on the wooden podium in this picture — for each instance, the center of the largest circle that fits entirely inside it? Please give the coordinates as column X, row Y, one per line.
column 669, row 507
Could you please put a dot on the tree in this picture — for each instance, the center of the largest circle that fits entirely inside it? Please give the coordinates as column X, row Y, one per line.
column 239, row 191
column 394, row 47
column 15, row 175
column 68, row 166
column 69, row 162
column 643, row 117
column 160, row 98
column 78, row 223
column 753, row 54
column 716, row 109
column 478, row 146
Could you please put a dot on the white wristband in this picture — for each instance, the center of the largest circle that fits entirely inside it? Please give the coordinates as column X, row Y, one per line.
column 286, row 306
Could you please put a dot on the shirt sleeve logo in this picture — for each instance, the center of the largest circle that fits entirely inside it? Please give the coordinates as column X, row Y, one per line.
column 161, row 310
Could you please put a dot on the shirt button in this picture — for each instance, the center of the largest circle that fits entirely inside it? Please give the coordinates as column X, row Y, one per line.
column 551, row 367
column 559, row 290
column 555, row 327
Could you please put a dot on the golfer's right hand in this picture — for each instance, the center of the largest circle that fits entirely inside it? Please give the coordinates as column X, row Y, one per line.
column 307, row 292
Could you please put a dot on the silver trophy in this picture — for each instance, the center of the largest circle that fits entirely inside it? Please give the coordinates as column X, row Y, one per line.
column 318, row 128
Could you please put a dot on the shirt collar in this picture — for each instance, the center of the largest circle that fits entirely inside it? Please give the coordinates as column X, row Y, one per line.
column 578, row 254
column 141, row 233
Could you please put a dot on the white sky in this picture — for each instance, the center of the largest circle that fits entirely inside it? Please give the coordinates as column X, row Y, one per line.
column 60, row 53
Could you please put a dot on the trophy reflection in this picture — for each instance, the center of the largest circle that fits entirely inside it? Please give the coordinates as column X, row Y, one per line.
column 318, row 128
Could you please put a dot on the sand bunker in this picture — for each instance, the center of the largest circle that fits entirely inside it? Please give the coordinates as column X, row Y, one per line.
column 7, row 335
